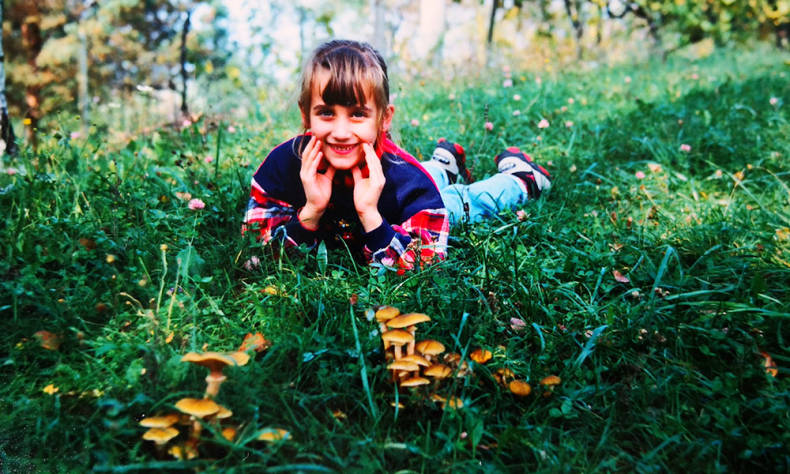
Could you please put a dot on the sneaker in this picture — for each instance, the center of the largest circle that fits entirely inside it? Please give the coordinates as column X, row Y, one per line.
column 516, row 162
column 452, row 158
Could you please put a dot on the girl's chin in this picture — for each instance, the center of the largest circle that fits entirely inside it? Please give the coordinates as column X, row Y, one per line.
column 343, row 163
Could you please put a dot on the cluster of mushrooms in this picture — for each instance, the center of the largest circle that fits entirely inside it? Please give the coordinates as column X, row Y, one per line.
column 194, row 412
column 413, row 362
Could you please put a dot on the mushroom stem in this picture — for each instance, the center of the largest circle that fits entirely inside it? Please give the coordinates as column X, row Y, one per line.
column 196, row 429
column 383, row 329
column 213, row 381
column 398, row 353
column 410, row 348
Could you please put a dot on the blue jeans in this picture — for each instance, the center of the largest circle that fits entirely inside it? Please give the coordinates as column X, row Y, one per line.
column 481, row 199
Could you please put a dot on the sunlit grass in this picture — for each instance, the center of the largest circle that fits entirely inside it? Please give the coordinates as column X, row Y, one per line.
column 649, row 279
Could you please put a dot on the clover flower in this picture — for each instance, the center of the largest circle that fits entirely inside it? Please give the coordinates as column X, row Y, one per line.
column 196, row 204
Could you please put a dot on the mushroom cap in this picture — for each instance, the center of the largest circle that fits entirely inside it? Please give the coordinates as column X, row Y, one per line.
column 414, row 382
column 417, row 359
column 550, row 380
column 183, row 451
column 404, row 365
column 502, row 374
column 522, row 389
column 406, row 320
column 198, row 407
column 214, row 361
column 397, row 337
column 452, row 358
column 240, row 357
column 481, row 356
column 164, row 421
column 229, row 433
column 429, row 347
column 223, row 413
column 454, row 403
column 160, row 436
column 385, row 313
column 438, row 371
column 273, row 434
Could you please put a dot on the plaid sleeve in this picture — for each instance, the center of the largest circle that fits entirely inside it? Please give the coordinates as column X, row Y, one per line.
column 423, row 234
column 271, row 219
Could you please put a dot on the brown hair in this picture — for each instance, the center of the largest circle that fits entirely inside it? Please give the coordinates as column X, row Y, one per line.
column 353, row 66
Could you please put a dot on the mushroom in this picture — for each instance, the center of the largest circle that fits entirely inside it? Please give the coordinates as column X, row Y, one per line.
column 164, row 421
column 481, row 356
column 160, row 436
column 229, row 433
column 215, row 362
column 438, row 371
column 522, row 389
column 417, row 359
column 222, row 414
column 501, row 375
column 273, row 434
column 429, row 348
column 414, row 382
column 402, row 367
column 452, row 358
column 397, row 337
column 197, row 408
column 454, row 402
column 408, row 321
column 183, row 451
column 550, row 382
column 384, row 314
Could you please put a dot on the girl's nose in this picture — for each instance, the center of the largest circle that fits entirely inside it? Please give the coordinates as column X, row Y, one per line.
column 342, row 129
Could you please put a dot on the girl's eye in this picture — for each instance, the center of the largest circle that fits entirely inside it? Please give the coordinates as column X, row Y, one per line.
column 325, row 113
column 360, row 113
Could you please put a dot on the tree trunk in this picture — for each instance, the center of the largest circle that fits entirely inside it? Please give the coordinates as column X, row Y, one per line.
column 6, row 130
column 379, row 40
column 573, row 8
column 184, row 33
column 494, row 6
column 31, row 37
column 82, row 80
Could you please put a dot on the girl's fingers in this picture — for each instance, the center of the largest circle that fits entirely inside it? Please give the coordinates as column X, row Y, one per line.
column 374, row 164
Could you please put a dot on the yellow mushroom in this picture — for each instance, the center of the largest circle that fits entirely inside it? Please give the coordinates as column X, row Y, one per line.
column 160, row 436
column 408, row 321
column 522, row 389
column 397, row 338
column 429, row 348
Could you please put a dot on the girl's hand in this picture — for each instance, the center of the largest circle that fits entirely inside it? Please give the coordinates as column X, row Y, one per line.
column 317, row 186
column 367, row 191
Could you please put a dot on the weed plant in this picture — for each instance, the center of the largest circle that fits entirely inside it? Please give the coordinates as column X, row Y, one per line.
column 650, row 279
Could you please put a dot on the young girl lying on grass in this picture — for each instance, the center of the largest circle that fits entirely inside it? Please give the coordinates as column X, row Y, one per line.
column 346, row 183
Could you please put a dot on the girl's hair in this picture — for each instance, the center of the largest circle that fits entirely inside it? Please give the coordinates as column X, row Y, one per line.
column 353, row 67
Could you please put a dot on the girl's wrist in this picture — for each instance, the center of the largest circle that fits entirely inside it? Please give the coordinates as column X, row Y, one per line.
column 309, row 217
column 370, row 220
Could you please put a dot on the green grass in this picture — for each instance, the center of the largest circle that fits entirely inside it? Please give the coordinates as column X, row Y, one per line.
column 661, row 370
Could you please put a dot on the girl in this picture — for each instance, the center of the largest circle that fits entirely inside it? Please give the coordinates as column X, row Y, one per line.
column 345, row 182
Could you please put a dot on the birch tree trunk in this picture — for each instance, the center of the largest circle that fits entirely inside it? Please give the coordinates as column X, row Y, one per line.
column 184, row 33
column 6, row 130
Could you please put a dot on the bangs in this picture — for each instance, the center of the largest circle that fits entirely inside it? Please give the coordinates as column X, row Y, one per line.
column 348, row 78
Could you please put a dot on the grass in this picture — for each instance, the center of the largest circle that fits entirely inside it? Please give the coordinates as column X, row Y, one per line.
column 662, row 367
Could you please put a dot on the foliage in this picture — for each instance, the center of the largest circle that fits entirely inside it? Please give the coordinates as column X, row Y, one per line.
column 659, row 361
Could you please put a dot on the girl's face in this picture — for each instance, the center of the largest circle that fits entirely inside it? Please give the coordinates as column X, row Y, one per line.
column 341, row 129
